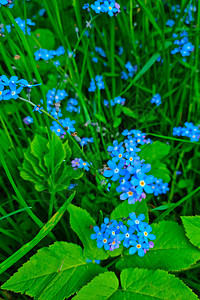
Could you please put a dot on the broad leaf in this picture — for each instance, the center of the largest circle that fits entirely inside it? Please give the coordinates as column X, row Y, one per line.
column 124, row 209
column 172, row 250
column 152, row 154
column 45, row 164
column 55, row 272
column 155, row 151
column 102, row 287
column 192, row 228
column 82, row 223
column 143, row 284
column 57, row 152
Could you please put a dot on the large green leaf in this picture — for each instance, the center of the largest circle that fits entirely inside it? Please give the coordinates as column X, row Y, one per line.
column 41, row 38
column 172, row 250
column 155, row 151
column 192, row 228
column 124, row 209
column 102, row 287
column 57, row 152
column 143, row 284
column 82, row 223
column 152, row 154
column 55, row 272
column 45, row 164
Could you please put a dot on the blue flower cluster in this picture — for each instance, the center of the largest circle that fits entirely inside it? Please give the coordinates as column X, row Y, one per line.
column 184, row 46
column 66, row 123
column 12, row 83
column 170, row 23
column 190, row 130
column 24, row 25
column 159, row 187
column 100, row 51
column 3, row 2
column 156, row 99
column 53, row 102
column 84, row 141
column 188, row 11
column 131, row 71
column 116, row 100
column 106, row 6
column 78, row 163
column 135, row 235
column 72, row 106
column 127, row 169
column 48, row 54
column 99, row 83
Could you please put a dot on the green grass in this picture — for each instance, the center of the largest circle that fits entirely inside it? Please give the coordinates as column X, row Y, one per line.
column 26, row 213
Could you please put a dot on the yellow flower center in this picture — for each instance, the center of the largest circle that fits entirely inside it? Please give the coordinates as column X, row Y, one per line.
column 105, row 240
column 120, row 155
column 130, row 193
column 138, row 140
column 142, row 183
column 138, row 246
column 84, row 164
column 0, row 93
column 130, row 158
column 113, row 242
column 145, row 233
column 110, row 7
column 58, row 130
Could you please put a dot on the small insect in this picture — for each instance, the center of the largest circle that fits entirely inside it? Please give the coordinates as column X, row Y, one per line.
column 61, row 265
column 73, row 134
column 91, row 226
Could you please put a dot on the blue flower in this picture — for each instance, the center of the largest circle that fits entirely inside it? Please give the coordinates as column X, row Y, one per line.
column 142, row 182
column 127, row 235
column 115, row 170
column 38, row 108
column 170, row 23
column 115, row 146
column 130, row 194
column 103, row 241
column 96, row 7
column 3, row 2
column 83, row 165
column 145, row 232
column 13, row 93
column 135, row 220
column 109, row 7
column 6, row 81
column 138, row 246
column 86, row 5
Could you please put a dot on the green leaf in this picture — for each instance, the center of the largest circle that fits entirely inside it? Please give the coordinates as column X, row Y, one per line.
column 102, row 287
column 82, row 223
column 143, row 284
column 172, row 250
column 45, row 164
column 55, row 272
column 41, row 38
column 117, row 122
column 124, row 209
column 64, row 175
column 57, row 152
column 192, row 228
column 155, row 151
column 152, row 154
column 27, row 173
column 39, row 148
